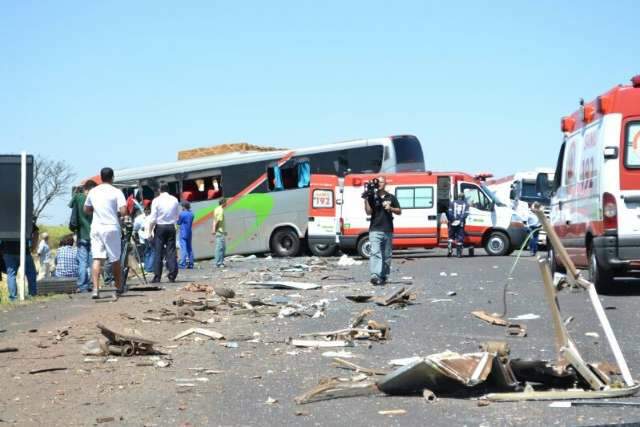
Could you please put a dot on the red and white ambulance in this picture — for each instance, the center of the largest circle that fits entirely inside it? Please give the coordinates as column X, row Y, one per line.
column 595, row 203
column 337, row 217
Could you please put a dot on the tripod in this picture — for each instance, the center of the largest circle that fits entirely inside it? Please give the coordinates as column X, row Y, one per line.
column 129, row 253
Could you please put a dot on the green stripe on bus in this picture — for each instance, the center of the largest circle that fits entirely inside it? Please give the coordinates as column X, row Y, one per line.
column 259, row 204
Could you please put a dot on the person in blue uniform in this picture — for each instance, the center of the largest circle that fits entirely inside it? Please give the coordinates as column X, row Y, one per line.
column 185, row 221
column 457, row 216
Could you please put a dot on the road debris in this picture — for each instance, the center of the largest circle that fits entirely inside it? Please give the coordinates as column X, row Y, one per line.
column 528, row 316
column 346, row 261
column 401, row 296
column 271, row 401
column 428, row 395
column 284, row 285
column 320, row 343
column 200, row 331
column 125, row 343
column 40, row 371
column 197, row 287
column 392, row 412
column 224, row 292
column 8, row 349
column 489, row 318
column 592, row 334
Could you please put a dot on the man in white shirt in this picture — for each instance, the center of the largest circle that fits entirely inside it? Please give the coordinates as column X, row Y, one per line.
column 165, row 210
column 106, row 203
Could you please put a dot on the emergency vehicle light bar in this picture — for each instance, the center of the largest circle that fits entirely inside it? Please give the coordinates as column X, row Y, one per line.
column 483, row 176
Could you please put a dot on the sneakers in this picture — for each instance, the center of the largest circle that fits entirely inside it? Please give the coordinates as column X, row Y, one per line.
column 375, row 280
column 95, row 294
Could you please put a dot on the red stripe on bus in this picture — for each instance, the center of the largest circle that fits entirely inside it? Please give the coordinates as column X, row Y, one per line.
column 249, row 188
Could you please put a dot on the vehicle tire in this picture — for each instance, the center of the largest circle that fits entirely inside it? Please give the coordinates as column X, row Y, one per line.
column 285, row 243
column 497, row 244
column 555, row 266
column 601, row 278
column 323, row 249
column 364, row 247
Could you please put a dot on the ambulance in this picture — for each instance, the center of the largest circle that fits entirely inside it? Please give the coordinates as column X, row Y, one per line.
column 595, row 196
column 337, row 218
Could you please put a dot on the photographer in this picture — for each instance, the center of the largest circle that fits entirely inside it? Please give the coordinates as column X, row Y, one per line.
column 381, row 206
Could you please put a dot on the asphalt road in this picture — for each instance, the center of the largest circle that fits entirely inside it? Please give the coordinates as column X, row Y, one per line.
column 268, row 368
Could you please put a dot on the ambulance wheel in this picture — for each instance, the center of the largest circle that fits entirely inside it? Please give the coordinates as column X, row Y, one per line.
column 285, row 243
column 602, row 279
column 323, row 249
column 497, row 244
column 364, row 247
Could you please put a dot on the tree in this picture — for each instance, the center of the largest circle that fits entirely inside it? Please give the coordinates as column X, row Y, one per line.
column 51, row 179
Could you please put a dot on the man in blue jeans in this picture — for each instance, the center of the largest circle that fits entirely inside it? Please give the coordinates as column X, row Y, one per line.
column 11, row 256
column 381, row 206
column 82, row 228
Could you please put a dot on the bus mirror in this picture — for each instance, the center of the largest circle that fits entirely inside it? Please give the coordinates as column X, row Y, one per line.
column 512, row 194
column 543, row 186
column 610, row 152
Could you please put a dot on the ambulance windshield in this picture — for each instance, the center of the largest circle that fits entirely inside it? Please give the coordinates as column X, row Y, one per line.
column 492, row 195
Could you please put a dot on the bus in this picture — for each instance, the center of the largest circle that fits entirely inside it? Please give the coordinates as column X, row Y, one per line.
column 267, row 192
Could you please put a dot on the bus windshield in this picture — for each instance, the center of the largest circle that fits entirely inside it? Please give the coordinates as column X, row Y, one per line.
column 408, row 154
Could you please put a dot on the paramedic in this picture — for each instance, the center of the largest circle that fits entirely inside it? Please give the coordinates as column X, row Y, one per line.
column 458, row 212
column 381, row 206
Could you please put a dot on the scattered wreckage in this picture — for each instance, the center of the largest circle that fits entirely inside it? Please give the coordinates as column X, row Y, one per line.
column 492, row 373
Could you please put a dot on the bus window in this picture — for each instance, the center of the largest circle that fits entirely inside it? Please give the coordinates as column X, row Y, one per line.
column 408, row 154
column 289, row 176
column 365, row 159
column 204, row 188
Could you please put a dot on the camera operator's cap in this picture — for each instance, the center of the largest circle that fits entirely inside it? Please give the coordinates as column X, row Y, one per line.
column 44, row 235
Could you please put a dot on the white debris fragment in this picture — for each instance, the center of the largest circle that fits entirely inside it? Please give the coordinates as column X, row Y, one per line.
column 340, row 354
column 592, row 334
column 271, row 401
column 346, row 261
column 443, row 274
column 453, row 274
column 405, row 361
column 528, row 316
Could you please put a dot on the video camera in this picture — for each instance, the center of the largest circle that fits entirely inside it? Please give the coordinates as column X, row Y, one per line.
column 370, row 188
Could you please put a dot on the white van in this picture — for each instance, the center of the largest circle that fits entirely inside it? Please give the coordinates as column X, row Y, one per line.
column 595, row 203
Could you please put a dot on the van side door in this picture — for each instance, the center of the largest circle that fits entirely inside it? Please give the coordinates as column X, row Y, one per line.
column 417, row 226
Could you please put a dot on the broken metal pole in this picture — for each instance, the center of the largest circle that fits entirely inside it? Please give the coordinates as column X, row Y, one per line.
column 561, row 336
column 593, row 294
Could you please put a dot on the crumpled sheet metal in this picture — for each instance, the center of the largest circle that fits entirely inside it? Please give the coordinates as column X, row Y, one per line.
column 442, row 373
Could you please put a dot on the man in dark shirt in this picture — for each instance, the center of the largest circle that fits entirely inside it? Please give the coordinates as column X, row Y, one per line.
column 83, row 236
column 381, row 207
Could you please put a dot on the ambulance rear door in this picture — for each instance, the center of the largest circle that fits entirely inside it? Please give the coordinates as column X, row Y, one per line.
column 323, row 202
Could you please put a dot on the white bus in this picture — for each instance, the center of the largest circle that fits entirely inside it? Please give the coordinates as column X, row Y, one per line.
column 267, row 192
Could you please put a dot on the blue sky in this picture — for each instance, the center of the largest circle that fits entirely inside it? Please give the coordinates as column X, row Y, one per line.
column 483, row 84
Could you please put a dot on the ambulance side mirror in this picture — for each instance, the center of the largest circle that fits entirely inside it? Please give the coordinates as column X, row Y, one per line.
column 610, row 153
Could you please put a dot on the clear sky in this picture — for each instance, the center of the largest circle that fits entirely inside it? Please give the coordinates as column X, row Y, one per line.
column 483, row 84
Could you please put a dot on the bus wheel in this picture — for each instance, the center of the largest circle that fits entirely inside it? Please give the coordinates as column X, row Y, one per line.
column 285, row 243
column 497, row 244
column 601, row 278
column 323, row 249
column 364, row 247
